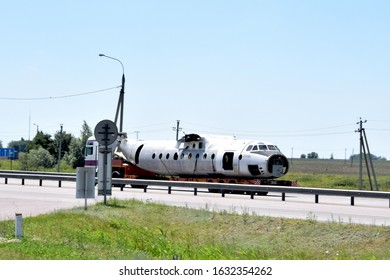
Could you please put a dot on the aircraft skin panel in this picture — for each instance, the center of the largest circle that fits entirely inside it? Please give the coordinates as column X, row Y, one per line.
column 205, row 156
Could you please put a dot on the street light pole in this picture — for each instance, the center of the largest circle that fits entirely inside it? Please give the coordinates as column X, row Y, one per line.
column 37, row 127
column 59, row 150
column 121, row 99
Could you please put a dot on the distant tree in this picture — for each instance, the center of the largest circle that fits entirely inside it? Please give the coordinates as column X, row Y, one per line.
column 74, row 156
column 374, row 157
column 303, row 156
column 1, row 144
column 312, row 155
column 331, row 156
column 86, row 132
column 42, row 140
column 66, row 139
column 19, row 146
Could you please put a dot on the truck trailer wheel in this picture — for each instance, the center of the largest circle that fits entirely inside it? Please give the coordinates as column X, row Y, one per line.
column 116, row 174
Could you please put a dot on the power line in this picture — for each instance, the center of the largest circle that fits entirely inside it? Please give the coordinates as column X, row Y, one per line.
column 279, row 132
column 56, row 97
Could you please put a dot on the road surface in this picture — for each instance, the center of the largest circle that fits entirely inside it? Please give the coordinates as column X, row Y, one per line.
column 32, row 199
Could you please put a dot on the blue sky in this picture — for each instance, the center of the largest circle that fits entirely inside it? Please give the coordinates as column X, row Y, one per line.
column 296, row 73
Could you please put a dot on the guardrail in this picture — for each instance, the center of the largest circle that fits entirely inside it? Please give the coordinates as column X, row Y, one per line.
column 223, row 188
column 41, row 176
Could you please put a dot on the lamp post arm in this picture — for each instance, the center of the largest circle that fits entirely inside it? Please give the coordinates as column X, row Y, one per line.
column 121, row 99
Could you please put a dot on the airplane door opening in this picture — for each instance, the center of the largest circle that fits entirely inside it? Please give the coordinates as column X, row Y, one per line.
column 227, row 161
column 137, row 154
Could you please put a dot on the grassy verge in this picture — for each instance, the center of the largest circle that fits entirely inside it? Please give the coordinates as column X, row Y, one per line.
column 337, row 181
column 337, row 174
column 136, row 230
column 6, row 164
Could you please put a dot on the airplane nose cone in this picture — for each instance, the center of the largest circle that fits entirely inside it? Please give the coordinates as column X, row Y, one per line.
column 277, row 165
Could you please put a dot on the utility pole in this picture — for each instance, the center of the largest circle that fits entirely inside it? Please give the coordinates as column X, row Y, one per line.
column 59, row 150
column 371, row 164
column 360, row 130
column 345, row 156
column 137, row 132
column 37, row 127
column 363, row 145
column 353, row 153
column 177, row 128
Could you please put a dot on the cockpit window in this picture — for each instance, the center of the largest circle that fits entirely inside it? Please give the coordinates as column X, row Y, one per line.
column 272, row 148
column 262, row 147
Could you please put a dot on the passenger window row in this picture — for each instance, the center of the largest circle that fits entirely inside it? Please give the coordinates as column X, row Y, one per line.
column 182, row 155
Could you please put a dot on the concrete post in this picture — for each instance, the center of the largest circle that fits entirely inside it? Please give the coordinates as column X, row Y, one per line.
column 18, row 225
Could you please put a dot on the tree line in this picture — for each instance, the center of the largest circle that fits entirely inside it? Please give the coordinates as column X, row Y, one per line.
column 314, row 155
column 43, row 150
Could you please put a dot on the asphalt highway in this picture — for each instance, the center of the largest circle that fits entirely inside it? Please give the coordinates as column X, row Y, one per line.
column 32, row 199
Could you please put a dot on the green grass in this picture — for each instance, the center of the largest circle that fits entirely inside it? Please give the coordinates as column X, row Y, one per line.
column 136, row 230
column 6, row 164
column 336, row 174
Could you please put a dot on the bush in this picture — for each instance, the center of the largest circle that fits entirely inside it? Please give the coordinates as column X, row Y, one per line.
column 36, row 159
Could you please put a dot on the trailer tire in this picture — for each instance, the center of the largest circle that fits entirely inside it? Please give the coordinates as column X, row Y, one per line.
column 117, row 174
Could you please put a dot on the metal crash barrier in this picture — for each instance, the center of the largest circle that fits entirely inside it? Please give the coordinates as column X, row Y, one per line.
column 223, row 188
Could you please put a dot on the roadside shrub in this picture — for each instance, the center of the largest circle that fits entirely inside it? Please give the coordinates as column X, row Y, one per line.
column 345, row 182
column 36, row 159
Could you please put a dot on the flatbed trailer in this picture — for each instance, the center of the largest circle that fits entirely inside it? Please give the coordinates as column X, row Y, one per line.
column 121, row 169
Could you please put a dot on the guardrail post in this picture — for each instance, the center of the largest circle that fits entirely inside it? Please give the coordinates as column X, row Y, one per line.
column 252, row 195
column 283, row 196
column 23, row 182
column 40, row 182
column 195, row 191
column 145, row 189
column 6, row 181
column 352, row 201
column 317, row 198
column 169, row 189
column 223, row 193
column 59, row 184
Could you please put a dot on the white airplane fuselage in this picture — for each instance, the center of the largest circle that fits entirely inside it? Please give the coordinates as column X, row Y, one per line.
column 208, row 156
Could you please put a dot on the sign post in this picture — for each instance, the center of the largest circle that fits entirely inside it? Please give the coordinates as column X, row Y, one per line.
column 104, row 172
column 106, row 133
column 85, row 183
